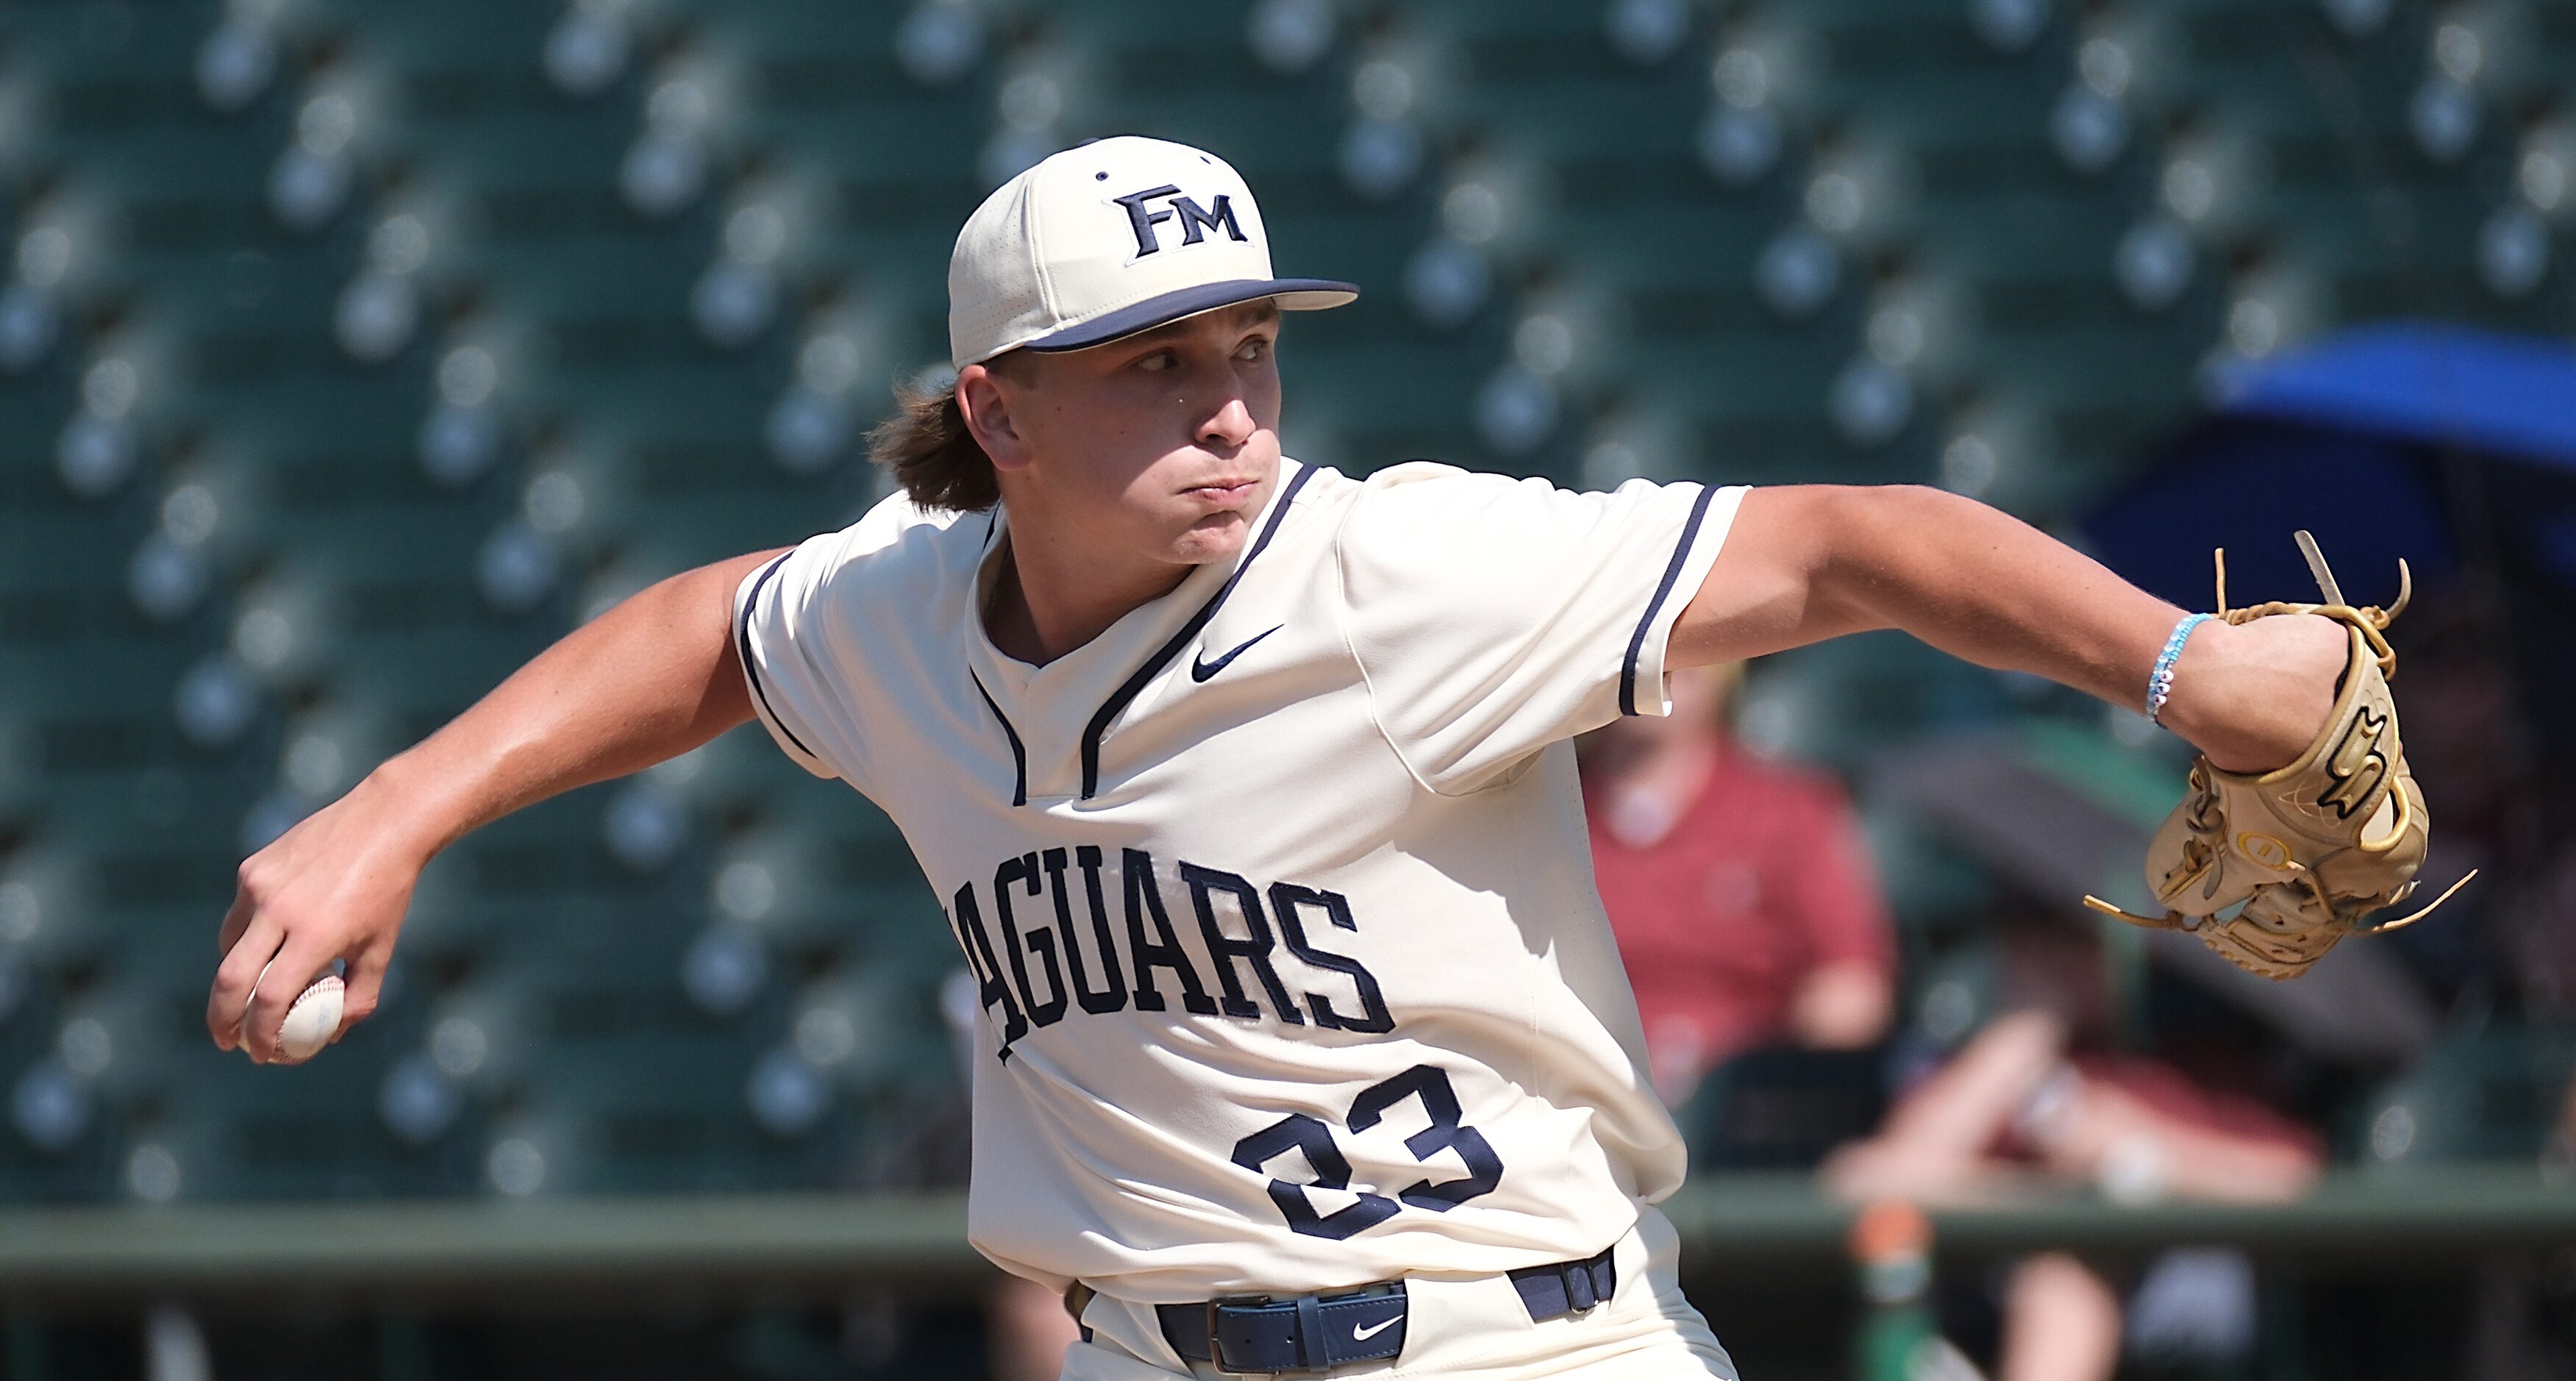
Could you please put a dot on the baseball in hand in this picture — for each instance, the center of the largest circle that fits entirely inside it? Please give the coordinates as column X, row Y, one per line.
column 312, row 1021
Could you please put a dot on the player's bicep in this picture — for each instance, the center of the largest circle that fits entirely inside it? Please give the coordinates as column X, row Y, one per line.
column 1764, row 593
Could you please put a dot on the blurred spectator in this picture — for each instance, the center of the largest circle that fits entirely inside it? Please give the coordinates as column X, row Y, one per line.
column 2016, row 1105
column 2473, row 752
column 1743, row 897
column 2038, row 1098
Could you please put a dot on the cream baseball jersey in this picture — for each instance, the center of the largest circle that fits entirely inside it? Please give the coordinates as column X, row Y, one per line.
column 1277, row 893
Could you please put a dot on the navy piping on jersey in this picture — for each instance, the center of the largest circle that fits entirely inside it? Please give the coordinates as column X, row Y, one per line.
column 750, row 668
column 1019, row 755
column 1663, row 591
column 1098, row 728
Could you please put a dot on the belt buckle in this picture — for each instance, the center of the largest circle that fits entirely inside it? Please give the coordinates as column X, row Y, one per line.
column 1216, row 1340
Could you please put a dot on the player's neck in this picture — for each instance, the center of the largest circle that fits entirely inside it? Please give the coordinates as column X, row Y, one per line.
column 1048, row 599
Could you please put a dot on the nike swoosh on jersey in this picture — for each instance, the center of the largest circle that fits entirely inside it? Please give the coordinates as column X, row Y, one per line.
column 1362, row 1335
column 1201, row 670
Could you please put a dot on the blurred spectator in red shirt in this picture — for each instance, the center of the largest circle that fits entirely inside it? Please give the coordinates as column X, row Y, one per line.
column 1743, row 896
column 2038, row 1098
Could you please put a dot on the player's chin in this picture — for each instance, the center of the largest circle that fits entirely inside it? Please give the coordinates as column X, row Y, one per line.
column 1212, row 537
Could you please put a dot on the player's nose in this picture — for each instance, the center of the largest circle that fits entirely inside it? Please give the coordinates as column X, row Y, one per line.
column 1229, row 427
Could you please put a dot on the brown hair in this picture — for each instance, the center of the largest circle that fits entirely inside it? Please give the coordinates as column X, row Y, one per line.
column 932, row 453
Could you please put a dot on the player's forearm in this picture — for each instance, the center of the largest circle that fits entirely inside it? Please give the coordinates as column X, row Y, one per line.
column 1985, row 586
column 649, row 679
column 1822, row 560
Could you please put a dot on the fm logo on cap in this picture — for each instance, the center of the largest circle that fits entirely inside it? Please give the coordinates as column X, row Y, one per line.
column 1195, row 220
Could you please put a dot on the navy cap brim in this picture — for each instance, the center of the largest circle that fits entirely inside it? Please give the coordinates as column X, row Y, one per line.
column 1292, row 294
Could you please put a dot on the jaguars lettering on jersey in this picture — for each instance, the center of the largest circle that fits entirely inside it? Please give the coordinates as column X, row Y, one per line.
column 1053, row 945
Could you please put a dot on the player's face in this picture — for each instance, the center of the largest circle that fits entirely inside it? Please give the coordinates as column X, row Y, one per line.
column 1162, row 445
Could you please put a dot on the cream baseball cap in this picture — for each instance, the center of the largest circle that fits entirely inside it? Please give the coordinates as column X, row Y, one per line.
column 1107, row 239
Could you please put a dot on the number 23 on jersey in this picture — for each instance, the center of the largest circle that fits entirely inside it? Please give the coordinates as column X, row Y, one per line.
column 1299, row 1132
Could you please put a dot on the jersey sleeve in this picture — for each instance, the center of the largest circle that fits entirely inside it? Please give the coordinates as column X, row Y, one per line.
column 772, row 607
column 797, row 642
column 1493, row 616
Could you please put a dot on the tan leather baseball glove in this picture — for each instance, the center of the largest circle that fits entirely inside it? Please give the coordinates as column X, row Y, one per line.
column 2272, row 870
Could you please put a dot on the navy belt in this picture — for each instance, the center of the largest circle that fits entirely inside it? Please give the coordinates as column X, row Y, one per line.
column 1267, row 1335
column 1568, row 1287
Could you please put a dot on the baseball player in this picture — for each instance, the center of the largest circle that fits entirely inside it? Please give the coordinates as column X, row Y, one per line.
column 1248, row 789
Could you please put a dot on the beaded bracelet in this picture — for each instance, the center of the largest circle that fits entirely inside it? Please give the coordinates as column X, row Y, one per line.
column 2160, row 682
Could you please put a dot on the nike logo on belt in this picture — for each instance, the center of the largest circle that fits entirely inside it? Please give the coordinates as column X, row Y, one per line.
column 1362, row 1335
column 1202, row 670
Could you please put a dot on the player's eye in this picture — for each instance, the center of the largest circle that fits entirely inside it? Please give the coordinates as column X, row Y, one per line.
column 1158, row 362
column 1257, row 348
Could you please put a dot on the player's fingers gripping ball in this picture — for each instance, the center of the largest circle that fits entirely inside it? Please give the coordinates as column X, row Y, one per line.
column 2271, row 870
column 310, row 1023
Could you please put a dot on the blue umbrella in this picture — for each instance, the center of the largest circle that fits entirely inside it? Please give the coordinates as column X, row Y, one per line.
column 2348, row 439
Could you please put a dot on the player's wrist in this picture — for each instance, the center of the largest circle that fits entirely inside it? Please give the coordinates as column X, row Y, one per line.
column 2251, row 696
column 408, row 813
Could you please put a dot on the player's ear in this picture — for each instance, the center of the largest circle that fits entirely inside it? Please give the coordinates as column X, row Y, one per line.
column 982, row 401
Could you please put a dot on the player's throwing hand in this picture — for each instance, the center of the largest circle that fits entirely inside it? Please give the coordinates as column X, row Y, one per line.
column 332, row 888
